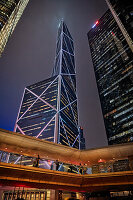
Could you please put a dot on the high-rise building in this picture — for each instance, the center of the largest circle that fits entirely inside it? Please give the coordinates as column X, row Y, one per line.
column 49, row 108
column 122, row 12
column 113, row 65
column 10, row 13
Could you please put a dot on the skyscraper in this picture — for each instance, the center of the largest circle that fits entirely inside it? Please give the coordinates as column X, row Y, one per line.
column 113, row 66
column 122, row 12
column 10, row 13
column 49, row 108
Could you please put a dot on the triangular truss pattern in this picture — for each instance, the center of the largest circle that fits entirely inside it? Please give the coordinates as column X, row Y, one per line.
column 38, row 109
column 65, row 68
column 49, row 108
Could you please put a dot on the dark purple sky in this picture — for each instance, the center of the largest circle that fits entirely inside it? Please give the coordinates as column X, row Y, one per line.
column 29, row 58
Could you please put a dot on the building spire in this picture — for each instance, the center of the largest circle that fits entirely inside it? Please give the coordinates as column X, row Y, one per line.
column 64, row 48
column 53, row 113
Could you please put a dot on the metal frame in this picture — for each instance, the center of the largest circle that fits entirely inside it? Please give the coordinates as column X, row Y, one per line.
column 58, row 109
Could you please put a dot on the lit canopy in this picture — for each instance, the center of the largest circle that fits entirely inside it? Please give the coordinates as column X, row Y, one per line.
column 30, row 146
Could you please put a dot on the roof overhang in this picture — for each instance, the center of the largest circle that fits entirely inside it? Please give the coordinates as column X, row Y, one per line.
column 31, row 146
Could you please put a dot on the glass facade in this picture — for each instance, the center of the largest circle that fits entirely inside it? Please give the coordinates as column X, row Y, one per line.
column 10, row 13
column 113, row 66
column 37, row 115
column 124, row 10
column 49, row 108
column 82, row 139
column 67, row 107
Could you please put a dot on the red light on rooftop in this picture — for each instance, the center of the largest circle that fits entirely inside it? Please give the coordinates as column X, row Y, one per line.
column 97, row 22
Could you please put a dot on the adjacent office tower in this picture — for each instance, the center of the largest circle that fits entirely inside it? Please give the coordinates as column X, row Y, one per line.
column 10, row 13
column 122, row 12
column 49, row 108
column 113, row 65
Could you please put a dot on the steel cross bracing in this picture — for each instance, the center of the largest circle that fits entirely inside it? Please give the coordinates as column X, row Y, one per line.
column 45, row 102
column 64, row 70
column 58, row 69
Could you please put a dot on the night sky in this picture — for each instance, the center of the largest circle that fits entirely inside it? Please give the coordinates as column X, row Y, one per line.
column 29, row 58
